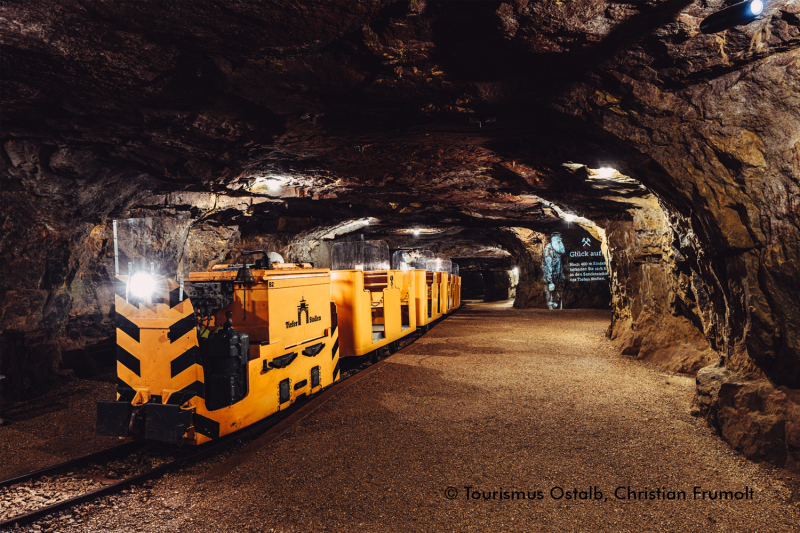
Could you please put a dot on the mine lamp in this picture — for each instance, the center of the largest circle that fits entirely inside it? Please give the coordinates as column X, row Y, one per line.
column 142, row 285
column 735, row 15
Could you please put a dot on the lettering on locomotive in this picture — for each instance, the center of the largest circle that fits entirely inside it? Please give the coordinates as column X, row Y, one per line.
column 302, row 308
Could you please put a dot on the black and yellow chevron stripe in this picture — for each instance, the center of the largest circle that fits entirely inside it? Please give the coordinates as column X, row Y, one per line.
column 335, row 341
column 158, row 350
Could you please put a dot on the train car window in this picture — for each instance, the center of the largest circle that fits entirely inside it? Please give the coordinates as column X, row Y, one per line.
column 411, row 259
column 360, row 255
column 439, row 264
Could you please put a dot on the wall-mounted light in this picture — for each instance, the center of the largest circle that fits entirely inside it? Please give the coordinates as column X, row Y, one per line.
column 416, row 231
column 569, row 217
column 736, row 15
column 273, row 184
column 515, row 270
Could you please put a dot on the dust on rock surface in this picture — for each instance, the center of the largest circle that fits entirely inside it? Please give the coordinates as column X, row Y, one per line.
column 539, row 400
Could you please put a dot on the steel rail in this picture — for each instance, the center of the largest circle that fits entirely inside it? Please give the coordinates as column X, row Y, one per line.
column 203, row 452
column 120, row 449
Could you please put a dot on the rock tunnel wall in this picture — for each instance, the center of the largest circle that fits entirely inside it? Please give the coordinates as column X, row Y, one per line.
column 671, row 309
column 727, row 154
column 729, row 158
column 656, row 316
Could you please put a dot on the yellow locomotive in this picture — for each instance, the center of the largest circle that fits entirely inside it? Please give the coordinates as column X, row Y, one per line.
column 203, row 357
column 245, row 343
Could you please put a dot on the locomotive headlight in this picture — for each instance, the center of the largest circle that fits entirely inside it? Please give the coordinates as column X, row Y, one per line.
column 736, row 15
column 142, row 285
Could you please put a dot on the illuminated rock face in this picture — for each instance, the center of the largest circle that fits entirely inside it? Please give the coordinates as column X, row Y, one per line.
column 273, row 124
column 656, row 315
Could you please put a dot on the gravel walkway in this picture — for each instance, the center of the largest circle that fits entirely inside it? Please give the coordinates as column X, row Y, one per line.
column 495, row 399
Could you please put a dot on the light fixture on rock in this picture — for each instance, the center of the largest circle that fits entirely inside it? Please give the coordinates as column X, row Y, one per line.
column 736, row 15
column 273, row 184
column 604, row 172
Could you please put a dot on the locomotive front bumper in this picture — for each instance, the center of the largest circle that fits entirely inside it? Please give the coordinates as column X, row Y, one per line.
column 153, row 421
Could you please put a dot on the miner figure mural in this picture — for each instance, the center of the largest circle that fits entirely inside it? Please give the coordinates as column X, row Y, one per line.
column 553, row 271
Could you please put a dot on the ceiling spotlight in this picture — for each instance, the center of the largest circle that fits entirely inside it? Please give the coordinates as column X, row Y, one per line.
column 516, row 271
column 416, row 231
column 273, row 184
column 605, row 172
column 569, row 218
column 736, row 15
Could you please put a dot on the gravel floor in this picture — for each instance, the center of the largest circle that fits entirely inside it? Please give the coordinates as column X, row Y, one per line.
column 53, row 428
column 495, row 399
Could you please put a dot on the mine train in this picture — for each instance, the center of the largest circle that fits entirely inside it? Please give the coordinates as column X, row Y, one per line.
column 206, row 356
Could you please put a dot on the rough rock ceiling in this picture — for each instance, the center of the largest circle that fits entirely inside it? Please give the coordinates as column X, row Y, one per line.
column 476, row 114
column 432, row 111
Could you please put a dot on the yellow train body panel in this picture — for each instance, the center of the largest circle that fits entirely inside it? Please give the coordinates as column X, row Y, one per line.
column 404, row 279
column 444, row 292
column 427, row 288
column 374, row 308
column 263, row 397
column 454, row 292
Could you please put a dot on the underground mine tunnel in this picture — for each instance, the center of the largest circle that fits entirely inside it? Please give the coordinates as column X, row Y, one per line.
column 400, row 265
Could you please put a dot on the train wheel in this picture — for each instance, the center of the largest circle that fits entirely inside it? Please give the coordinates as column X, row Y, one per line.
column 373, row 356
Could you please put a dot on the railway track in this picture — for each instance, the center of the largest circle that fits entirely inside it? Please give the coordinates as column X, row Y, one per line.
column 78, row 473
column 81, row 475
